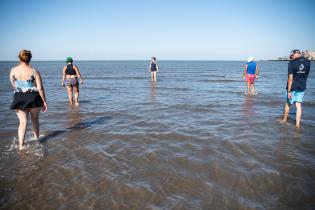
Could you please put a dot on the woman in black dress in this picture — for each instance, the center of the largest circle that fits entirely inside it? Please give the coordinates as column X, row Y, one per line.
column 29, row 95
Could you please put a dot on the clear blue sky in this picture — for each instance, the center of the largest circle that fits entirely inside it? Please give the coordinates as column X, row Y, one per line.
column 168, row 29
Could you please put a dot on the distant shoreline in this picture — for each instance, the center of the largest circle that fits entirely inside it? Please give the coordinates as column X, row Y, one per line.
column 287, row 60
column 147, row 60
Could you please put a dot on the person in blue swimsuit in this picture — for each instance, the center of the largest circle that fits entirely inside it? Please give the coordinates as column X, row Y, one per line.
column 153, row 68
column 29, row 95
column 251, row 73
column 70, row 75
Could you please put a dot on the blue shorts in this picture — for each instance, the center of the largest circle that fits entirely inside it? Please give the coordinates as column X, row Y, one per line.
column 296, row 97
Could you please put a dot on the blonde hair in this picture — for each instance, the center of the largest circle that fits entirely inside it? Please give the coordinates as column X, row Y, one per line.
column 25, row 56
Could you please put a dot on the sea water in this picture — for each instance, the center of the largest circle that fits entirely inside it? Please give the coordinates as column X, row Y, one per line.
column 193, row 140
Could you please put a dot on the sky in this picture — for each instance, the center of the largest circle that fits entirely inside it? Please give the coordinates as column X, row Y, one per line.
column 167, row 29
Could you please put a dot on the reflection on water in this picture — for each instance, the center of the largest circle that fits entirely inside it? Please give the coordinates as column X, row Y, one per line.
column 74, row 117
column 191, row 141
column 153, row 92
column 248, row 106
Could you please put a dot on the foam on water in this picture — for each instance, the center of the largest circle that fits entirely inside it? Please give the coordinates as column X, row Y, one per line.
column 32, row 146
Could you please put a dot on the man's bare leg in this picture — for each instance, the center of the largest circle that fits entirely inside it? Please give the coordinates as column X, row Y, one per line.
column 286, row 113
column 298, row 114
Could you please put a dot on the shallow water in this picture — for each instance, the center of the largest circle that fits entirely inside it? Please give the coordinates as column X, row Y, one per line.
column 193, row 140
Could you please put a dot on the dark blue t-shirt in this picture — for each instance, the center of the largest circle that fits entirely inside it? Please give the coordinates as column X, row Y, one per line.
column 300, row 68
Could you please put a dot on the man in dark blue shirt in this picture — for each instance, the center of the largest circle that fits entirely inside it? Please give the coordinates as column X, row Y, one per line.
column 298, row 70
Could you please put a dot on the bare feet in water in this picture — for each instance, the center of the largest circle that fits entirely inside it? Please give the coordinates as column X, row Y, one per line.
column 22, row 147
column 282, row 121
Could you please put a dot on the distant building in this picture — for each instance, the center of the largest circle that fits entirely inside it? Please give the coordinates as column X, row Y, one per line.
column 309, row 54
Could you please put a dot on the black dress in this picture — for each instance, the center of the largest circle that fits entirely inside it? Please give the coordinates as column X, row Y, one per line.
column 26, row 95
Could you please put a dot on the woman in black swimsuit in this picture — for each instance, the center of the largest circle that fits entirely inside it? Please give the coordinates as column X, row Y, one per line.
column 153, row 68
column 70, row 77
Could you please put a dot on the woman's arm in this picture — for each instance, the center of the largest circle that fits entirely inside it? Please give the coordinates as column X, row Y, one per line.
column 257, row 71
column 12, row 78
column 150, row 66
column 78, row 73
column 41, row 90
column 157, row 67
column 63, row 76
column 245, row 71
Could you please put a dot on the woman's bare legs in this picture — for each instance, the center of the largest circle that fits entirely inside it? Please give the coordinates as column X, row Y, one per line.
column 35, row 123
column 153, row 75
column 76, row 94
column 70, row 89
column 23, row 117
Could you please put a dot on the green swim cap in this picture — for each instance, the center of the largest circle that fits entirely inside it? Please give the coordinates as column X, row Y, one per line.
column 69, row 59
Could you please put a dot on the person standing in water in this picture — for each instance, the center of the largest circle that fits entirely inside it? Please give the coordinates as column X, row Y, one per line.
column 70, row 77
column 298, row 70
column 153, row 68
column 251, row 73
column 29, row 95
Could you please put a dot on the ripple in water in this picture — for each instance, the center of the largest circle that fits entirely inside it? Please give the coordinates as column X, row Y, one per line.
column 193, row 140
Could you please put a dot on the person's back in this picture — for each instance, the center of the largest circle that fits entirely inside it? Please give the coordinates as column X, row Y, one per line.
column 251, row 72
column 70, row 70
column 29, row 95
column 24, row 77
column 251, row 67
column 300, row 68
column 153, row 66
column 70, row 75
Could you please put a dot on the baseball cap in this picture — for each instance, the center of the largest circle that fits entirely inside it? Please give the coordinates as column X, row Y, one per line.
column 69, row 59
column 295, row 51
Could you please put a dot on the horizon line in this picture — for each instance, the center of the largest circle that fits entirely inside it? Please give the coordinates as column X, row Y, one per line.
column 52, row 60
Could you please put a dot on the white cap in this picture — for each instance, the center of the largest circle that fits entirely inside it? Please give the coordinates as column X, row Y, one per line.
column 250, row 59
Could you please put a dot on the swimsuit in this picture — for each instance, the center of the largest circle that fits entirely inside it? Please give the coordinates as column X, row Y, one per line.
column 71, row 81
column 153, row 66
column 26, row 95
column 70, row 70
